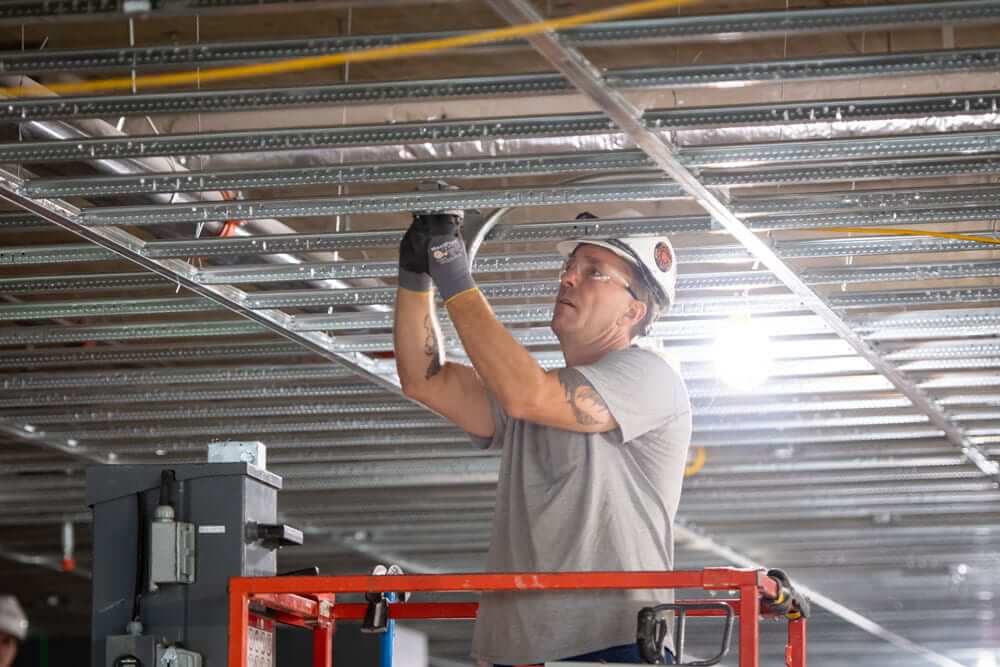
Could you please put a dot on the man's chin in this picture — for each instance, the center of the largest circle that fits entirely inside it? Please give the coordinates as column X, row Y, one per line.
column 560, row 323
column 556, row 325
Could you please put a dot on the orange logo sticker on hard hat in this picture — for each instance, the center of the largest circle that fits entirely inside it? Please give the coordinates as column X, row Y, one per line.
column 663, row 257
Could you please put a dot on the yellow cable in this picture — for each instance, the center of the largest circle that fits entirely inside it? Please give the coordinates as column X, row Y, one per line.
column 700, row 456
column 907, row 232
column 367, row 55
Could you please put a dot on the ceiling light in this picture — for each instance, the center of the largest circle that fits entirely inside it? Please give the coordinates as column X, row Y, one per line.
column 72, row 442
column 160, row 452
column 742, row 352
column 987, row 658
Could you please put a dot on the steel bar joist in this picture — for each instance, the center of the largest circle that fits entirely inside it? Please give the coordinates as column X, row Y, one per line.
column 587, row 79
column 129, row 247
column 655, row 30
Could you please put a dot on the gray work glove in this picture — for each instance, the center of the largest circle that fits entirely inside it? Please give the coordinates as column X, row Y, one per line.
column 448, row 263
column 413, row 268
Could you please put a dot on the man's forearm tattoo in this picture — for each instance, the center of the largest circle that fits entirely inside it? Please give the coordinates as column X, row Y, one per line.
column 431, row 349
column 587, row 405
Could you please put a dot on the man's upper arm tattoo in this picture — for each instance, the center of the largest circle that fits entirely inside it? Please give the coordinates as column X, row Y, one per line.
column 431, row 348
column 587, row 405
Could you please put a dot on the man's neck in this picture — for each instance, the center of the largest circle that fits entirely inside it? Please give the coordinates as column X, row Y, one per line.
column 582, row 354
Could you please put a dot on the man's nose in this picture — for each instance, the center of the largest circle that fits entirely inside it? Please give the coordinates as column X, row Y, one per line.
column 569, row 276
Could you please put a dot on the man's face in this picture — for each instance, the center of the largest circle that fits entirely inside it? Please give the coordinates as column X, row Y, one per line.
column 593, row 294
column 8, row 650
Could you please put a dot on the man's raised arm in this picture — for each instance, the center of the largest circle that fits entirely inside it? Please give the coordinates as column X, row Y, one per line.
column 450, row 389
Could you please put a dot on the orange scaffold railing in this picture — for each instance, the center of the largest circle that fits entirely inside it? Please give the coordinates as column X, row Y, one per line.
column 310, row 602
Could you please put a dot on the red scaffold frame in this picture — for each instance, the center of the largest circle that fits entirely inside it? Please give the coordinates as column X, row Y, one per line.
column 310, row 602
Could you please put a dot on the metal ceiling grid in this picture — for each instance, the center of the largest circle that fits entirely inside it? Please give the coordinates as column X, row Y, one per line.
column 827, row 470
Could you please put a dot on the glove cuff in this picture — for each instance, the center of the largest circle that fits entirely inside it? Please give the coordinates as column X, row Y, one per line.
column 415, row 282
column 455, row 286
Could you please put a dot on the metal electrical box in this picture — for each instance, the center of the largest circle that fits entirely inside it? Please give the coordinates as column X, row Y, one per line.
column 172, row 552
column 231, row 509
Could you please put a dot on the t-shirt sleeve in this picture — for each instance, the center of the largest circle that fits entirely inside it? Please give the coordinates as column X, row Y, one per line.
column 642, row 390
column 500, row 425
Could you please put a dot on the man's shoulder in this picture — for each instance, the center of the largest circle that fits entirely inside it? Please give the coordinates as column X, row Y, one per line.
column 654, row 359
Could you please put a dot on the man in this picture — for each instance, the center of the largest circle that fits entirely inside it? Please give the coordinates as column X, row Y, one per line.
column 593, row 454
column 13, row 629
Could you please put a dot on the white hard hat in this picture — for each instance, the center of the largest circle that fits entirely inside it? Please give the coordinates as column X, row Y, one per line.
column 652, row 255
column 13, row 622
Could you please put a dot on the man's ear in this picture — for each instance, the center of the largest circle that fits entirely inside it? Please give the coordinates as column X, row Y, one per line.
column 635, row 312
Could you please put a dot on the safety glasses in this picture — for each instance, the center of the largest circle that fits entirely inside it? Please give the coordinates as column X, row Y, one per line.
column 590, row 270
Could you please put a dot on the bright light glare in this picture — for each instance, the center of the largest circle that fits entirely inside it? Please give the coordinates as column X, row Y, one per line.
column 742, row 353
column 987, row 658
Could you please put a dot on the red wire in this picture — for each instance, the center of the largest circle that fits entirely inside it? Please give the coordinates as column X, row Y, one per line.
column 229, row 226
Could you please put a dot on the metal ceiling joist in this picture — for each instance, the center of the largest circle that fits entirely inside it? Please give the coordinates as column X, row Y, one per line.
column 655, row 30
column 44, row 108
column 605, row 162
column 307, row 243
column 87, row 415
column 586, row 78
column 757, row 304
column 865, row 245
column 687, row 282
column 133, row 331
column 311, row 138
column 394, row 172
column 106, row 307
column 193, row 396
column 250, row 390
column 912, row 354
column 397, row 202
column 893, row 199
column 927, row 324
column 161, row 376
column 270, row 427
column 19, row 11
column 780, row 215
column 526, row 233
column 247, row 412
column 75, row 358
column 130, row 247
column 394, row 409
column 93, row 281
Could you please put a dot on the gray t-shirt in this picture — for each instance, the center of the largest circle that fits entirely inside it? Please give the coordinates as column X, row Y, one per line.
column 586, row 502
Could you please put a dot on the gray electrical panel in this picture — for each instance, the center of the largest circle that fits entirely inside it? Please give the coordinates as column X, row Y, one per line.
column 224, row 526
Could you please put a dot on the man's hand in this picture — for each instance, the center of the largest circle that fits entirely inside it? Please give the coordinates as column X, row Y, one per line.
column 413, row 269
column 448, row 263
